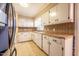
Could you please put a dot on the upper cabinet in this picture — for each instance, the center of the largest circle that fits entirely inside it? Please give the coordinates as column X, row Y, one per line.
column 39, row 24
column 53, row 15
column 25, row 22
column 45, row 18
column 60, row 13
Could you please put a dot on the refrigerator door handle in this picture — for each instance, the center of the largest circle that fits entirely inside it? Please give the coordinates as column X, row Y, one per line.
column 14, row 26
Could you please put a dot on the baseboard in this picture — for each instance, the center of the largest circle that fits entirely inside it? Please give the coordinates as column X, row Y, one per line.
column 25, row 41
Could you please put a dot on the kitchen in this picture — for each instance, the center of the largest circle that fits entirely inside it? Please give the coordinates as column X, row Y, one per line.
column 45, row 29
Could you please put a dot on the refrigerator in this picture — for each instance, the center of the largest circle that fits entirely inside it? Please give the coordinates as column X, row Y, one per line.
column 7, row 29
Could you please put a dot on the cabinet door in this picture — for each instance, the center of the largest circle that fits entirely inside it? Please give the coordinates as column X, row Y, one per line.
column 38, row 22
column 62, row 12
column 39, row 39
column 29, row 35
column 45, row 45
column 55, row 49
column 45, row 18
column 32, row 35
column 35, row 40
column 53, row 14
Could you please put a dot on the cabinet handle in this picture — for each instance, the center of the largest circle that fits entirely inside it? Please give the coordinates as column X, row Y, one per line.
column 54, row 40
column 68, row 17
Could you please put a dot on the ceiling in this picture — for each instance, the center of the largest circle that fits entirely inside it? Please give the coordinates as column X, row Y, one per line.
column 31, row 11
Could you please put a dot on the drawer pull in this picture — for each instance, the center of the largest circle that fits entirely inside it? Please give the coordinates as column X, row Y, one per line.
column 55, row 40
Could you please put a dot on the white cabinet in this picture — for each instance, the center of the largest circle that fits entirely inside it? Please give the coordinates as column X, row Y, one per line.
column 45, row 18
column 37, row 38
column 46, row 44
column 53, row 15
column 56, row 48
column 62, row 13
column 23, row 36
column 39, row 24
column 34, row 37
column 52, row 46
column 59, row 13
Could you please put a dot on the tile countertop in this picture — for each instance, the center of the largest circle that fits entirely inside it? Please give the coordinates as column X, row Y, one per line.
column 61, row 36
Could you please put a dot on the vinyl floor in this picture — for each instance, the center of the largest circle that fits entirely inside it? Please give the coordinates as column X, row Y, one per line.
column 28, row 49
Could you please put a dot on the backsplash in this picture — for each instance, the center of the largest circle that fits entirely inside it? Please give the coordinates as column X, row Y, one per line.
column 26, row 29
column 63, row 28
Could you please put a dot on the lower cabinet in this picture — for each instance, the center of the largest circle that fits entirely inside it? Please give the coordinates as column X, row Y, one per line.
column 54, row 46
column 56, row 49
column 23, row 36
column 37, row 38
column 46, row 44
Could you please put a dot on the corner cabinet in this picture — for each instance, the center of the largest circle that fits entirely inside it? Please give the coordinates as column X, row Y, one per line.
column 62, row 13
column 55, row 46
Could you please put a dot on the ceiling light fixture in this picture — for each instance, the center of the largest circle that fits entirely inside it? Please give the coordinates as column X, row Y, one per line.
column 24, row 4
